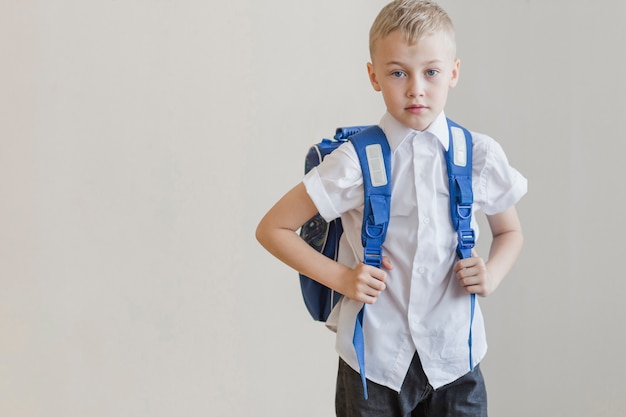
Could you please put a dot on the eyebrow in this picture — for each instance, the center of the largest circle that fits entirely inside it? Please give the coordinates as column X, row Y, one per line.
column 431, row 62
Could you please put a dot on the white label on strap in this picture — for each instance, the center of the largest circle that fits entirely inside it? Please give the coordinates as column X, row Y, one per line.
column 376, row 164
column 460, row 150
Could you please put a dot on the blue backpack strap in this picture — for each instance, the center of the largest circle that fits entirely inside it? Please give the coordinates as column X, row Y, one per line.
column 374, row 155
column 459, row 164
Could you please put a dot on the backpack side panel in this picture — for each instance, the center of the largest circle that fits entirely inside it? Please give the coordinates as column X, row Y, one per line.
column 323, row 237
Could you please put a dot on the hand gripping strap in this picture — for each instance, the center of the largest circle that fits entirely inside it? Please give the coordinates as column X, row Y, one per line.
column 459, row 164
column 374, row 155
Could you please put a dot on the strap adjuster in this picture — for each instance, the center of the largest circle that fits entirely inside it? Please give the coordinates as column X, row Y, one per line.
column 372, row 256
column 466, row 238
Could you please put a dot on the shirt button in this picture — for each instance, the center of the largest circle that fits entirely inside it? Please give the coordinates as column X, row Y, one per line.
column 426, row 220
column 420, row 269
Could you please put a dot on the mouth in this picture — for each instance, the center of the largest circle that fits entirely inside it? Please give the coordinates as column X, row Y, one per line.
column 416, row 108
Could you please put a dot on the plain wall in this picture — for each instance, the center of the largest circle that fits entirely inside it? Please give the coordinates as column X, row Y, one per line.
column 142, row 141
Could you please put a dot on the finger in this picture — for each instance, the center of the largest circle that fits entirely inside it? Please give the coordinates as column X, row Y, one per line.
column 373, row 281
column 370, row 295
column 474, row 289
column 376, row 280
column 387, row 263
column 467, row 281
column 466, row 272
column 369, row 299
column 371, row 277
column 378, row 285
column 376, row 273
column 470, row 286
column 464, row 264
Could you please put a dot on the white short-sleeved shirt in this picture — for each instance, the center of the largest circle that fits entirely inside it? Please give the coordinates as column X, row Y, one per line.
column 423, row 307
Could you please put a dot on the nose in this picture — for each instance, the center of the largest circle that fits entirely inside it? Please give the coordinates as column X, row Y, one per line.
column 415, row 88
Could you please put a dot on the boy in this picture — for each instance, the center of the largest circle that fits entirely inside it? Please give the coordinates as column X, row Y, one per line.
column 417, row 316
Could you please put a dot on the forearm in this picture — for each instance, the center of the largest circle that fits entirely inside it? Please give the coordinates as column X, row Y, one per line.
column 504, row 251
column 277, row 233
column 506, row 244
column 290, row 248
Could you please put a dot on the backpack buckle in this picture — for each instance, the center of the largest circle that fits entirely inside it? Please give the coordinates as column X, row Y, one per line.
column 372, row 257
column 467, row 238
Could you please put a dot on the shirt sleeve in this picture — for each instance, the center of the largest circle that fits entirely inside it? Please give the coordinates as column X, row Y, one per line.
column 336, row 184
column 500, row 186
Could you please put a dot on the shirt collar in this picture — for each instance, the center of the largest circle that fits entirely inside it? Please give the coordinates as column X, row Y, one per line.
column 397, row 133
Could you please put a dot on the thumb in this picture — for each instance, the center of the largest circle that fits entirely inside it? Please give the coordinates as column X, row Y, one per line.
column 387, row 263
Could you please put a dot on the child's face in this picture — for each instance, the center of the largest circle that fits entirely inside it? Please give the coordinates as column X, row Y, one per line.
column 414, row 78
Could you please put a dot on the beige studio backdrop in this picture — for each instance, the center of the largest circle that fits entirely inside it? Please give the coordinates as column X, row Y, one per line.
column 141, row 141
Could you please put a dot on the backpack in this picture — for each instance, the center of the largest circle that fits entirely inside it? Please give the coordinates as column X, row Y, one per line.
column 374, row 155
column 324, row 237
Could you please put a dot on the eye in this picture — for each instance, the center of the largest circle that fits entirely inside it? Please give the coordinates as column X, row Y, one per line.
column 398, row 74
column 432, row 72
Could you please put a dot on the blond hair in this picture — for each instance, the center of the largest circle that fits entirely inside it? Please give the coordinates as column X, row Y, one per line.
column 415, row 18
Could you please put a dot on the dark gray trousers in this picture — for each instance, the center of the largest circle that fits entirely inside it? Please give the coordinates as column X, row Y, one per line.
column 465, row 397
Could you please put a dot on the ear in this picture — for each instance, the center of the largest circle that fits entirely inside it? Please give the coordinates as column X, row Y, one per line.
column 372, row 75
column 456, row 68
